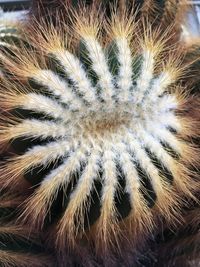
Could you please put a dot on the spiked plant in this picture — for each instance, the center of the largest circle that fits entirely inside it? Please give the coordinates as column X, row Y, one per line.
column 101, row 126
column 178, row 247
column 18, row 246
column 9, row 34
column 182, row 248
column 158, row 12
column 8, row 31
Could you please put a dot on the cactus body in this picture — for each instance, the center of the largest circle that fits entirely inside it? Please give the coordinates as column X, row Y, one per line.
column 101, row 126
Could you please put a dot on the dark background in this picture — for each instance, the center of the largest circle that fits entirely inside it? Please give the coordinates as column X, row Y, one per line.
column 13, row 5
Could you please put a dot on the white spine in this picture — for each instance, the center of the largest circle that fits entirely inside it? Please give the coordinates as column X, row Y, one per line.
column 125, row 72
column 156, row 148
column 165, row 103
column 110, row 183
column 168, row 119
column 49, row 187
column 159, row 86
column 58, row 87
column 143, row 159
column 146, row 75
column 77, row 74
column 44, row 154
column 62, row 174
column 79, row 198
column 46, row 105
column 100, row 66
column 35, row 128
column 130, row 172
column 162, row 134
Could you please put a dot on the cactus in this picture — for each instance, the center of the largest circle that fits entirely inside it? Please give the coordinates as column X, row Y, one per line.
column 159, row 12
column 10, row 35
column 18, row 246
column 177, row 246
column 101, row 126
column 182, row 249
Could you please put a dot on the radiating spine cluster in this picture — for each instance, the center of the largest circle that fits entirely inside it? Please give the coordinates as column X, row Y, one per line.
column 100, row 103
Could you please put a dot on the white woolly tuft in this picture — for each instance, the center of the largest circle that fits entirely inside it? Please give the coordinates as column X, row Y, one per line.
column 58, row 87
column 146, row 75
column 76, row 73
column 125, row 72
column 100, row 67
column 42, row 104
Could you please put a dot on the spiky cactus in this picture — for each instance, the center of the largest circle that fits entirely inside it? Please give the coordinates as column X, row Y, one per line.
column 101, row 125
column 183, row 247
column 8, row 34
column 158, row 12
column 18, row 246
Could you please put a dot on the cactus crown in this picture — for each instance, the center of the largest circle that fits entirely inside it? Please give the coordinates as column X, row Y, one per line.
column 100, row 110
